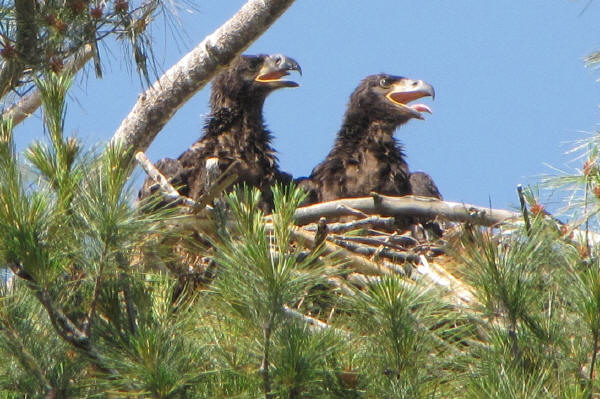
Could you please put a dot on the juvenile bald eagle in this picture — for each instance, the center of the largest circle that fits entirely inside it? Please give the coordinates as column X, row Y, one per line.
column 235, row 129
column 366, row 157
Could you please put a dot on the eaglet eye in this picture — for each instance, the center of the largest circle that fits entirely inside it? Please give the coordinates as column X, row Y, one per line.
column 254, row 64
column 385, row 83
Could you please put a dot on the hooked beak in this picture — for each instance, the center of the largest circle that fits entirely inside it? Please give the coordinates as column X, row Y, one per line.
column 406, row 90
column 275, row 67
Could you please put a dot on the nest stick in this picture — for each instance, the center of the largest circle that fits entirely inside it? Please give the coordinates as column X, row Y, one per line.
column 166, row 187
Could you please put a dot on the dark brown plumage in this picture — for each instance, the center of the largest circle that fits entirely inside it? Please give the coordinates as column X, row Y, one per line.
column 235, row 129
column 423, row 185
column 366, row 157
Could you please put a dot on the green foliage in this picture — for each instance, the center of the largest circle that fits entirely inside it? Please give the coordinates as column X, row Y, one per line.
column 39, row 38
column 507, row 272
column 261, row 272
column 157, row 355
column 83, row 318
column 35, row 359
column 300, row 360
column 91, row 315
column 400, row 324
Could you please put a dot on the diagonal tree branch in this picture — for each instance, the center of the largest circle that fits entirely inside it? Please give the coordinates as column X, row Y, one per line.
column 159, row 103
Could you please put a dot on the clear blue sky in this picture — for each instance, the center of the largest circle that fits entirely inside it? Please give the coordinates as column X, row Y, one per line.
column 511, row 87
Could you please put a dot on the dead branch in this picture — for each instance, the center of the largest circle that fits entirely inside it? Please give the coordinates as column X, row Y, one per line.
column 377, row 241
column 359, row 263
column 321, row 233
column 307, row 319
column 160, row 102
column 370, row 221
column 168, row 190
column 364, row 250
column 405, row 206
column 348, row 210
column 442, row 278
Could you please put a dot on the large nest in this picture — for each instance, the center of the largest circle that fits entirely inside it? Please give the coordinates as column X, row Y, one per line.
column 360, row 232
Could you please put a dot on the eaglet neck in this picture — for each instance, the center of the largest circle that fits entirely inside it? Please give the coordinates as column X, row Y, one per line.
column 368, row 135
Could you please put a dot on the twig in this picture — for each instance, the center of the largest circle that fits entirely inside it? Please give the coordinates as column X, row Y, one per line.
column 405, row 206
column 168, row 190
column 347, row 210
column 359, row 263
column 383, row 252
column 330, row 314
column 369, row 221
column 321, row 233
column 307, row 319
column 89, row 320
column 371, row 241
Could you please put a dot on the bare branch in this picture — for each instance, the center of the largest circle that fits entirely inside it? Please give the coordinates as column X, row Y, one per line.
column 384, row 252
column 405, row 206
column 358, row 262
column 379, row 240
column 440, row 277
column 168, row 190
column 321, row 233
column 370, row 221
column 160, row 102
column 320, row 325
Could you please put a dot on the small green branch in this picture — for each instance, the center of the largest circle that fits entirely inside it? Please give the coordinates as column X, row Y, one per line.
column 264, row 367
column 131, row 313
column 592, row 365
column 27, row 360
column 63, row 325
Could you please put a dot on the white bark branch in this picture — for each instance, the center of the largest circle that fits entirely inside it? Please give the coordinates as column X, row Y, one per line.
column 405, row 206
column 160, row 102
column 320, row 325
column 462, row 293
column 169, row 191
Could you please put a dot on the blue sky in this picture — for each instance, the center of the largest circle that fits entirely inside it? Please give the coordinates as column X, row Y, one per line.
column 512, row 91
